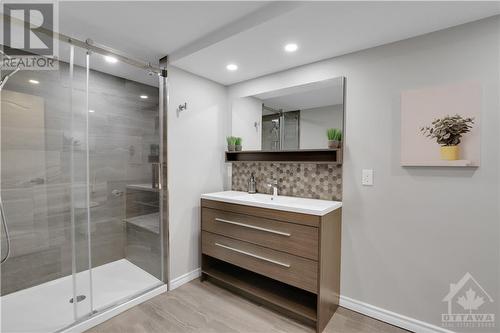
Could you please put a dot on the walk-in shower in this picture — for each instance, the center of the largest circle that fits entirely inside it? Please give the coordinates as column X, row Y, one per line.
column 81, row 189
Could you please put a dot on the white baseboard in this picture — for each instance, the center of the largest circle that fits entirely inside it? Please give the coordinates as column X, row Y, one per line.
column 179, row 281
column 390, row 317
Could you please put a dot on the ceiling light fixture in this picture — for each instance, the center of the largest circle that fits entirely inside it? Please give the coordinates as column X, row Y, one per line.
column 144, row 96
column 232, row 67
column 91, row 111
column 292, row 47
column 111, row 59
column 33, row 81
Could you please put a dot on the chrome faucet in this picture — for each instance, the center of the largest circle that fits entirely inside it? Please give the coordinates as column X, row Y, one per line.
column 274, row 185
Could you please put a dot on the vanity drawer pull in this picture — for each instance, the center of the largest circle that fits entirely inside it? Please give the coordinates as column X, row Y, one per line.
column 254, row 227
column 253, row 255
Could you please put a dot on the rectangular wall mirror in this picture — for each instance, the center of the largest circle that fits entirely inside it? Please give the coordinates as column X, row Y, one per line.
column 290, row 119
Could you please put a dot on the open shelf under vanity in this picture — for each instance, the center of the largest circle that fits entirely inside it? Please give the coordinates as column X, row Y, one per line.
column 298, row 303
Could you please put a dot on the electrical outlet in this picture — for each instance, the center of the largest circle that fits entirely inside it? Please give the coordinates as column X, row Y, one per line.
column 367, row 177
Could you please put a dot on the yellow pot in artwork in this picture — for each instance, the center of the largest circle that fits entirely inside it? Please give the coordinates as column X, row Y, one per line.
column 450, row 153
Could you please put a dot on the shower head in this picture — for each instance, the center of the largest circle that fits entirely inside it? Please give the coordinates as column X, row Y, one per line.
column 7, row 77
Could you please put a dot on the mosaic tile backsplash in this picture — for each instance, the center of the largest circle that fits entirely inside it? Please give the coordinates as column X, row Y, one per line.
column 306, row 180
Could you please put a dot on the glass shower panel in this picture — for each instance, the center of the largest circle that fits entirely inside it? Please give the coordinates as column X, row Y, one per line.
column 124, row 138
column 40, row 166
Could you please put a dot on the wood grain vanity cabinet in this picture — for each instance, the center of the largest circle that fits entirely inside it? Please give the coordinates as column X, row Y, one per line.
column 285, row 260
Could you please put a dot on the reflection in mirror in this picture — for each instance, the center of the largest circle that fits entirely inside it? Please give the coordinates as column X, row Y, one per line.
column 294, row 118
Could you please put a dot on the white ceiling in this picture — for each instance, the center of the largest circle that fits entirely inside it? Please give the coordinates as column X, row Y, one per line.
column 323, row 30
column 144, row 30
column 148, row 30
column 205, row 36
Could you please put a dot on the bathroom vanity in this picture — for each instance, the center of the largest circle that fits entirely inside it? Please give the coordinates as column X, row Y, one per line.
column 283, row 252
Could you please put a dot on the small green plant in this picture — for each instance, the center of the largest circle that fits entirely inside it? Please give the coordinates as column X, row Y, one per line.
column 238, row 141
column 448, row 130
column 231, row 140
column 334, row 134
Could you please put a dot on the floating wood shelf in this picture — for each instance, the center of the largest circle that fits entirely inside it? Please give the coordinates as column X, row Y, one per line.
column 333, row 156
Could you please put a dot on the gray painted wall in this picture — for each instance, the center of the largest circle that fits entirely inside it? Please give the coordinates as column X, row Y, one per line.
column 196, row 143
column 417, row 229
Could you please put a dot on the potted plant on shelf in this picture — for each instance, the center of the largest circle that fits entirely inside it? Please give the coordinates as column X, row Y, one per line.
column 231, row 143
column 334, row 137
column 237, row 143
column 448, row 132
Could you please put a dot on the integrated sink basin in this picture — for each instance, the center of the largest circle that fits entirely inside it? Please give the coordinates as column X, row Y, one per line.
column 284, row 203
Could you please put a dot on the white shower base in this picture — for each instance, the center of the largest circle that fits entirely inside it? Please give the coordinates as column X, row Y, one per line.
column 46, row 307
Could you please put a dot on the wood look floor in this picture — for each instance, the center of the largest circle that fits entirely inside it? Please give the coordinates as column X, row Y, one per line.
column 204, row 307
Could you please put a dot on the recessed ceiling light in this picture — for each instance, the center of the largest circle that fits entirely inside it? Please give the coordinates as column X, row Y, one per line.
column 91, row 111
column 292, row 47
column 111, row 59
column 144, row 96
column 232, row 67
column 33, row 81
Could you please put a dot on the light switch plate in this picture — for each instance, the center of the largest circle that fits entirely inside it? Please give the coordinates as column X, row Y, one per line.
column 367, row 177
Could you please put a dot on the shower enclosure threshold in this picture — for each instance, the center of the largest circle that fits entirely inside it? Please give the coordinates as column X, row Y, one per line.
column 47, row 307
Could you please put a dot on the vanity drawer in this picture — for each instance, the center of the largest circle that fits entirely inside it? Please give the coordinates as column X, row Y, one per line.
column 293, row 238
column 284, row 267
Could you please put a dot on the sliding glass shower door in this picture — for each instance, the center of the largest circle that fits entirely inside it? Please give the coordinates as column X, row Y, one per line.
column 124, row 179
column 80, row 186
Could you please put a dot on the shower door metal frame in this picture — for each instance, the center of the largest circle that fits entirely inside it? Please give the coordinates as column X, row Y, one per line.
column 163, row 179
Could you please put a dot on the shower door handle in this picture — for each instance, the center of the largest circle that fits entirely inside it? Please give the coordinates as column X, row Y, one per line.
column 161, row 175
column 156, row 170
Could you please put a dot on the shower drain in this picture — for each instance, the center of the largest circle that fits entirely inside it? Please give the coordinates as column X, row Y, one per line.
column 79, row 298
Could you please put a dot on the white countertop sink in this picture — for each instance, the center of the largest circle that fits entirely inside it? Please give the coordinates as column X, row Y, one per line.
column 289, row 204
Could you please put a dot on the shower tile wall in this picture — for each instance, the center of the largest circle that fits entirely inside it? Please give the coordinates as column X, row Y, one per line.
column 306, row 180
column 36, row 171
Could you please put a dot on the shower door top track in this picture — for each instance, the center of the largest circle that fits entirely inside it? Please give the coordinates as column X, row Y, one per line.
column 90, row 45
